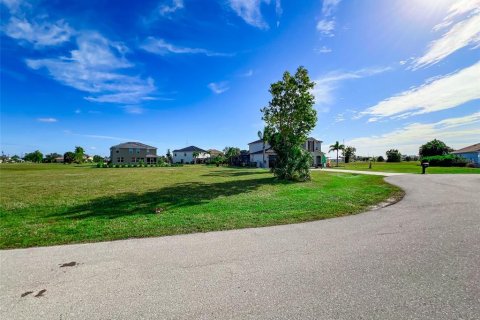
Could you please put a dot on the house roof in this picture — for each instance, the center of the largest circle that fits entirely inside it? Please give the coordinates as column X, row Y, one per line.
column 214, row 151
column 190, row 149
column 256, row 141
column 472, row 148
column 130, row 144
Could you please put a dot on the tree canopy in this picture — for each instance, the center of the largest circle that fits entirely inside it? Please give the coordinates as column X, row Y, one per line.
column 393, row 155
column 35, row 156
column 337, row 146
column 434, row 148
column 289, row 118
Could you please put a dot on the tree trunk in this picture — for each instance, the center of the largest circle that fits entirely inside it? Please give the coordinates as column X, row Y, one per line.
column 337, row 157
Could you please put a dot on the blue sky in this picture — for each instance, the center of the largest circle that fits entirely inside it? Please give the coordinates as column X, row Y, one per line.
column 389, row 74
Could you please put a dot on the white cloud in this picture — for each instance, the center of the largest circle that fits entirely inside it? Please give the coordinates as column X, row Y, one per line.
column 326, row 25
column 40, row 34
column 455, row 132
column 161, row 47
column 278, row 11
column 323, row 49
column 326, row 85
column 48, row 120
column 249, row 11
column 438, row 94
column 462, row 33
column 247, row 74
column 166, row 9
column 95, row 67
column 218, row 87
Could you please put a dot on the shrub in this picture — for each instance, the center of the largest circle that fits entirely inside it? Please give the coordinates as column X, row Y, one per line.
column 449, row 160
column 99, row 165
column 380, row 159
column 393, row 155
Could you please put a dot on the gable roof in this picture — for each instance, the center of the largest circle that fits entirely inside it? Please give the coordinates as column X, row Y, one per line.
column 190, row 149
column 472, row 148
column 214, row 151
column 131, row 144
column 256, row 141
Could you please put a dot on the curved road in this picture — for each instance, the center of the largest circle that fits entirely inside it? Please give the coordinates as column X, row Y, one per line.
column 417, row 259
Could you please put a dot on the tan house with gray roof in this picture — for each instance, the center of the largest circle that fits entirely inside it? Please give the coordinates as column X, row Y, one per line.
column 133, row 153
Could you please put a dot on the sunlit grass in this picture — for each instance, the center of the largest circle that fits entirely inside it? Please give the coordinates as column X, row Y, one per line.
column 57, row 204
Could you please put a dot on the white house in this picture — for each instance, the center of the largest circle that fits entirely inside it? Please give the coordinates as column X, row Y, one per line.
column 255, row 148
column 185, row 155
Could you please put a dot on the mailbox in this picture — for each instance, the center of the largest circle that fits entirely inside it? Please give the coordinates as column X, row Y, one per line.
column 425, row 165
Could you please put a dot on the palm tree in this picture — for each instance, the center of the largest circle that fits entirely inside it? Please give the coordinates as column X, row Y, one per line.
column 195, row 156
column 261, row 136
column 336, row 147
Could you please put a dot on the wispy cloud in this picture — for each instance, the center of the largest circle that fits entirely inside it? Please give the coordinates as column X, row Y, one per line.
column 38, row 33
column 47, row 120
column 95, row 67
column 250, row 11
column 323, row 49
column 326, row 25
column 247, row 74
column 169, row 8
column 456, row 132
column 326, row 85
column 464, row 22
column 278, row 11
column 27, row 28
column 440, row 93
column 218, row 87
column 161, row 47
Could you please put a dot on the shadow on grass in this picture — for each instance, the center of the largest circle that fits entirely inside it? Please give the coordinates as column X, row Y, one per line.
column 234, row 173
column 166, row 198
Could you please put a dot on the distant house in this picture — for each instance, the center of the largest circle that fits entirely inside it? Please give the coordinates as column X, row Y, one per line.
column 132, row 153
column 59, row 159
column 255, row 149
column 214, row 153
column 471, row 153
column 185, row 155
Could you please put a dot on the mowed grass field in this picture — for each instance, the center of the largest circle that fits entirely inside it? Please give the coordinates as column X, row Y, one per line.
column 402, row 167
column 48, row 204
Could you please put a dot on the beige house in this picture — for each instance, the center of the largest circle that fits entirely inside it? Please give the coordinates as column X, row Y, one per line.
column 312, row 145
column 133, row 153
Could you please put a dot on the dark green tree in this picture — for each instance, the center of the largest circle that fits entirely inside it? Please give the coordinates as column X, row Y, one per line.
column 68, row 157
column 349, row 153
column 35, row 156
column 79, row 153
column 98, row 159
column 380, row 159
column 393, row 155
column 231, row 153
column 336, row 147
column 289, row 118
column 50, row 158
column 434, row 148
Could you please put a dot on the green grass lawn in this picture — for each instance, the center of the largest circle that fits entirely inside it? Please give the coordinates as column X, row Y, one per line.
column 402, row 167
column 51, row 204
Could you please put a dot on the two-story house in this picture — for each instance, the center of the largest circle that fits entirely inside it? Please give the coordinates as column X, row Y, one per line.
column 186, row 155
column 267, row 160
column 132, row 153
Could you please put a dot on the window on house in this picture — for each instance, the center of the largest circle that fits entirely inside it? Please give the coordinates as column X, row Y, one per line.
column 117, row 151
column 174, row 154
column 120, row 159
column 130, row 150
column 137, row 150
column 185, row 154
column 134, row 159
column 148, row 150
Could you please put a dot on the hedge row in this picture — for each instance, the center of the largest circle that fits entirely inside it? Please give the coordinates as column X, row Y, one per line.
column 449, row 160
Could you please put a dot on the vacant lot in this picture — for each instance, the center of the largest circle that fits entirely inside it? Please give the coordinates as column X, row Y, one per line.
column 55, row 204
column 402, row 167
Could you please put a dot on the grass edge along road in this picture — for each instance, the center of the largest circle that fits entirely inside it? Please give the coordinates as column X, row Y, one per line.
column 402, row 167
column 43, row 204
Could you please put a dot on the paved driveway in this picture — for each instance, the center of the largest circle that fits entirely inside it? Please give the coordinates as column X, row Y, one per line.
column 417, row 259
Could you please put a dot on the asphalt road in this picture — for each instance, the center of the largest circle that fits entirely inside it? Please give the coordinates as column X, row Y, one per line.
column 417, row 259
